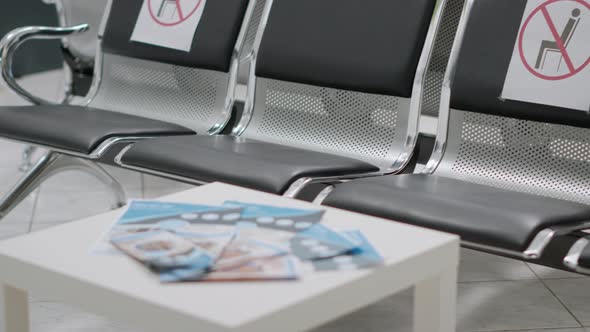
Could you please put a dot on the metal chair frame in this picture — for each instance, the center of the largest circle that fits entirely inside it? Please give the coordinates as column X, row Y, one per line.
column 244, row 124
column 28, row 151
column 571, row 260
column 441, row 160
column 69, row 46
column 58, row 160
column 446, row 149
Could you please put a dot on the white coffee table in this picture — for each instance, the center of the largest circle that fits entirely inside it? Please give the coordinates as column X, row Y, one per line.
column 58, row 263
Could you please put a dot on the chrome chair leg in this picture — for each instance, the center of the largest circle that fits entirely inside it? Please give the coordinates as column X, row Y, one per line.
column 28, row 183
column 53, row 163
column 92, row 168
column 27, row 156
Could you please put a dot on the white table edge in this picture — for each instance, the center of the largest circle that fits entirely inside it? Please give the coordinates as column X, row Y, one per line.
column 441, row 261
column 429, row 265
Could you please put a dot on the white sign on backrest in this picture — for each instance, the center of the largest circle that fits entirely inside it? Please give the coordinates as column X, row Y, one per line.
column 551, row 60
column 168, row 23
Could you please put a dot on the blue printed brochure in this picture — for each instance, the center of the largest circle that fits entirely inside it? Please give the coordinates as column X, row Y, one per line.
column 195, row 223
column 237, row 241
column 301, row 230
column 364, row 256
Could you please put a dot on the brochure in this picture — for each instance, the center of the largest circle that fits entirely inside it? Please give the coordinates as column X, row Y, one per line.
column 364, row 256
column 276, row 268
column 319, row 242
column 210, row 227
column 277, row 218
column 237, row 241
column 161, row 250
column 308, row 238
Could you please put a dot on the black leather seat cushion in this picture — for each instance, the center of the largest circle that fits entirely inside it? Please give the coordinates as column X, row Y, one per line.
column 584, row 260
column 368, row 46
column 483, row 63
column 478, row 213
column 244, row 162
column 76, row 128
column 213, row 42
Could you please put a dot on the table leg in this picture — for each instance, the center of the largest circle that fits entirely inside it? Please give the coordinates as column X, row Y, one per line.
column 435, row 303
column 15, row 316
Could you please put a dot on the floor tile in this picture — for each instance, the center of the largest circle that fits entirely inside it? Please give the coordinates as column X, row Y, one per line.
column 11, row 154
column 580, row 329
column 575, row 295
column 9, row 174
column 392, row 314
column 128, row 178
column 544, row 272
column 156, row 186
column 15, row 160
column 22, row 213
column 510, row 305
column 17, row 221
column 58, row 207
column 76, row 181
column 48, row 85
column 38, row 226
column 11, row 230
column 479, row 266
column 57, row 317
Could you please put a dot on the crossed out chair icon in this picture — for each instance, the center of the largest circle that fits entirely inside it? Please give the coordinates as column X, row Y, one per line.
column 165, row 4
column 552, row 45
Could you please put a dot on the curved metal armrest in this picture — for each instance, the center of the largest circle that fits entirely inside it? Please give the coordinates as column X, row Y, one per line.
column 10, row 43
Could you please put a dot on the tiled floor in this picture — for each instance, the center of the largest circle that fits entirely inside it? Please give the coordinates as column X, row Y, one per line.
column 495, row 294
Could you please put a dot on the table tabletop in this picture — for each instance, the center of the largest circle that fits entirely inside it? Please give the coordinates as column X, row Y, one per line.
column 59, row 262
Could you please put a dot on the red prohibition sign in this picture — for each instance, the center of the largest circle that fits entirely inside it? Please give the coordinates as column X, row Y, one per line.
column 542, row 10
column 181, row 16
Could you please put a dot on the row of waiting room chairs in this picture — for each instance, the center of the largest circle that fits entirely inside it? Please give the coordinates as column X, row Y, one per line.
column 335, row 91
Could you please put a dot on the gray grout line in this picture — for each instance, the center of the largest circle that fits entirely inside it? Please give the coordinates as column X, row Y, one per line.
column 35, row 206
column 564, row 278
column 499, row 280
column 548, row 329
column 37, row 193
column 556, row 297
column 533, row 271
column 550, row 291
column 563, row 304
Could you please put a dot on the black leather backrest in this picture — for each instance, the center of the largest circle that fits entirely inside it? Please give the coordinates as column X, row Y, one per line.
column 213, row 42
column 361, row 45
column 483, row 63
